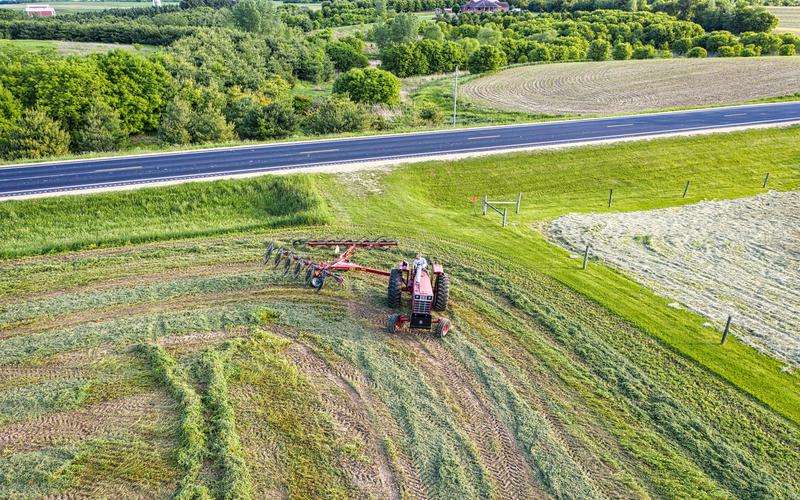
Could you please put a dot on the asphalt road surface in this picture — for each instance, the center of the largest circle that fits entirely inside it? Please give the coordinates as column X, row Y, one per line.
column 55, row 177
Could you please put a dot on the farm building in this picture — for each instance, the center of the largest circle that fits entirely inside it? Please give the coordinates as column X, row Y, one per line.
column 485, row 6
column 43, row 10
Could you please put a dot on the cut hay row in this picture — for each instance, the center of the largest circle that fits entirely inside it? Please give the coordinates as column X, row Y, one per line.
column 631, row 86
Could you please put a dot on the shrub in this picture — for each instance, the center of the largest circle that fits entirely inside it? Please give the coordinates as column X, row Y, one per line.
column 751, row 51
column 100, row 129
column 346, row 56
column 539, row 52
column 644, row 52
column 486, row 58
column 370, row 86
column 34, row 135
column 682, row 45
column 335, row 115
column 787, row 50
column 726, row 51
column 430, row 112
column 273, row 121
column 622, row 51
column 697, row 52
column 599, row 50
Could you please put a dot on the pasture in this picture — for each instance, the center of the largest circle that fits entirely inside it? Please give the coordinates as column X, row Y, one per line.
column 152, row 353
column 593, row 88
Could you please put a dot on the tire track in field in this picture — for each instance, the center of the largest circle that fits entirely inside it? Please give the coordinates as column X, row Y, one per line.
column 497, row 447
column 352, row 414
column 133, row 413
column 631, row 86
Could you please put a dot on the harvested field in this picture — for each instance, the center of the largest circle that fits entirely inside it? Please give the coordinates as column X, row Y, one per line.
column 788, row 18
column 738, row 257
column 178, row 365
column 632, row 86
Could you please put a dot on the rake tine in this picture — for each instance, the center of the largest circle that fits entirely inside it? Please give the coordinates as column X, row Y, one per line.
column 278, row 257
column 268, row 253
column 298, row 268
column 288, row 264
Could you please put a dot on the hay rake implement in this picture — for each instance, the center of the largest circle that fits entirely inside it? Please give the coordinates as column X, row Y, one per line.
column 414, row 278
column 317, row 273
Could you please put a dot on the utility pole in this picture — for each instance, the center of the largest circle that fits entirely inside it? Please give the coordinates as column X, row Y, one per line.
column 455, row 95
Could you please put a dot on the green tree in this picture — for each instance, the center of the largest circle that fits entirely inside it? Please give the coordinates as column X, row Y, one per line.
column 431, row 31
column 486, row 58
column 404, row 59
column 370, row 86
column 34, row 135
column 787, row 50
column 726, row 51
column 100, row 129
column 174, row 125
column 599, row 50
column 138, row 88
column 622, row 51
column 10, row 108
column 402, row 28
column 345, row 56
column 644, row 52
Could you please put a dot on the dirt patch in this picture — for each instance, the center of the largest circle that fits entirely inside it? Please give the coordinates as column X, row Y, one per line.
column 631, row 86
column 739, row 257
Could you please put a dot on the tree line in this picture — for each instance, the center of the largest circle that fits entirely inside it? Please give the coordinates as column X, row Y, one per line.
column 486, row 42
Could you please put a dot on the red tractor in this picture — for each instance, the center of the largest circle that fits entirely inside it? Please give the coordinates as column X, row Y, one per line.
column 414, row 279
column 426, row 296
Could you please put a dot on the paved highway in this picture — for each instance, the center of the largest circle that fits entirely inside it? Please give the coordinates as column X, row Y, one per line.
column 55, row 177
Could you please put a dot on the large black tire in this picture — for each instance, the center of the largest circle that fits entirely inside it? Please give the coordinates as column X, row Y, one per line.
column 395, row 290
column 391, row 323
column 441, row 292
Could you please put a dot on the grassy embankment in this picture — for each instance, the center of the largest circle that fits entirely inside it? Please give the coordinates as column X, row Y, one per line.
column 72, row 48
column 591, row 403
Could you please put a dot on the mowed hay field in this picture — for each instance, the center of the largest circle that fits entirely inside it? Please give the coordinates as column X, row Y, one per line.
column 629, row 86
column 788, row 18
column 78, row 6
column 170, row 361
column 69, row 48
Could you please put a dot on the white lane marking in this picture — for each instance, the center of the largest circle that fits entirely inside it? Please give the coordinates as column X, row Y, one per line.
column 620, row 125
column 317, row 151
column 734, row 114
column 652, row 133
column 115, row 169
column 479, row 137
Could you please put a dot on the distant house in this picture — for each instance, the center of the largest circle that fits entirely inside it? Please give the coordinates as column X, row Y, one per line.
column 42, row 10
column 484, row 6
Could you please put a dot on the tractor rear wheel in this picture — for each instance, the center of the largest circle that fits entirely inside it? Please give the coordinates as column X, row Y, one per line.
column 441, row 292
column 395, row 290
column 391, row 323
column 442, row 327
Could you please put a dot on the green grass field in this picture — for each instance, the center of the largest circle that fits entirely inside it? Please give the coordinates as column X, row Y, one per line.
column 72, row 48
column 160, row 356
column 78, row 6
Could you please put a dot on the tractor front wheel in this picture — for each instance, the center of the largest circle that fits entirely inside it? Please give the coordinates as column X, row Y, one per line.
column 394, row 292
column 441, row 292
column 442, row 327
column 391, row 323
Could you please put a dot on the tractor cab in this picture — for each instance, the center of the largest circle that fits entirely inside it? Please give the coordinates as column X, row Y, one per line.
column 428, row 291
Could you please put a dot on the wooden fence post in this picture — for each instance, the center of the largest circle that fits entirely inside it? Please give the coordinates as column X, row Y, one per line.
column 726, row 330
column 519, row 202
column 610, row 194
column 485, row 203
column 505, row 217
